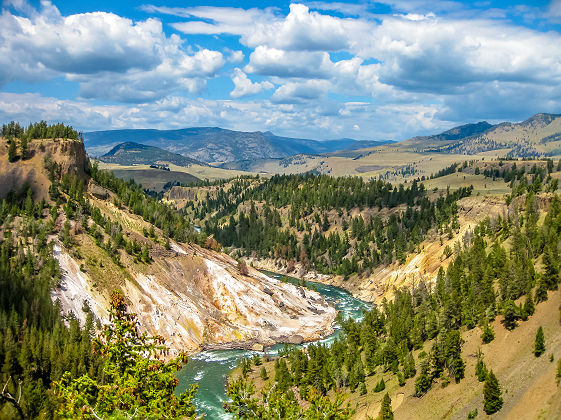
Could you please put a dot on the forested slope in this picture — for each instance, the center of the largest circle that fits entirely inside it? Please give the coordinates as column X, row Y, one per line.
column 332, row 225
column 433, row 348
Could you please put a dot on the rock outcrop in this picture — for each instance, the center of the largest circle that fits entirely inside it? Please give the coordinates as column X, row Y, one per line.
column 70, row 155
column 197, row 299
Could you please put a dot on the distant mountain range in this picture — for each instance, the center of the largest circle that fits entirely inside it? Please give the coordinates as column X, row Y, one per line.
column 539, row 135
column 211, row 144
column 460, row 132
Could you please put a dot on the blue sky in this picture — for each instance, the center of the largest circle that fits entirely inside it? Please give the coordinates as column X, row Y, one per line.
column 371, row 70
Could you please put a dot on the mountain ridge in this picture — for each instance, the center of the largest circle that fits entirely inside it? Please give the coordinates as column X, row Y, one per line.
column 214, row 144
column 539, row 134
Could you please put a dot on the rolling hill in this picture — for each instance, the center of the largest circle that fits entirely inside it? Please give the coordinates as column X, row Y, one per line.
column 130, row 153
column 155, row 168
column 154, row 179
column 538, row 135
column 212, row 144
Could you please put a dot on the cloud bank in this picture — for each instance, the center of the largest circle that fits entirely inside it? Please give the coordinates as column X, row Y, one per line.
column 316, row 69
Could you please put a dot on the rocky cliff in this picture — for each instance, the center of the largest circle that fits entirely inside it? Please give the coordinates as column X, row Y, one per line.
column 70, row 155
column 419, row 266
column 196, row 299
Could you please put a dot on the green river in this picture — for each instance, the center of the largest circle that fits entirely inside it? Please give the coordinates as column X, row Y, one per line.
column 209, row 369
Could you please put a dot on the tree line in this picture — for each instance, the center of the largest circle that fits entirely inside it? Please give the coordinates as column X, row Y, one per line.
column 40, row 130
column 37, row 346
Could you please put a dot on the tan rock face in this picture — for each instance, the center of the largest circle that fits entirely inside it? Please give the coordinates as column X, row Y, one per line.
column 69, row 154
column 192, row 297
column 198, row 299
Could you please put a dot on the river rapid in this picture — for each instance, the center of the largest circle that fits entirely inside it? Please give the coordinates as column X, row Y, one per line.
column 209, row 369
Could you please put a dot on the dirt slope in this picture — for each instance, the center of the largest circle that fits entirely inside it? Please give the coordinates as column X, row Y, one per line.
column 195, row 298
column 529, row 389
column 527, row 382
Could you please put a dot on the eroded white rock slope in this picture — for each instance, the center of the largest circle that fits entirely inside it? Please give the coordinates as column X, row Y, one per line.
column 197, row 299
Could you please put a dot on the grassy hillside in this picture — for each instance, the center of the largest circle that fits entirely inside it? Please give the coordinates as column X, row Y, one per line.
column 155, row 179
column 529, row 387
column 537, row 136
column 202, row 172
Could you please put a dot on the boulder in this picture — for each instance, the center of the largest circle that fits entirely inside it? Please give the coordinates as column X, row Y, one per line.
column 295, row 339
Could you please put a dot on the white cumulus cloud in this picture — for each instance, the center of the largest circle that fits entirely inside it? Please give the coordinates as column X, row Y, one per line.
column 319, row 120
column 44, row 44
column 301, row 29
column 294, row 92
column 245, row 87
column 425, row 52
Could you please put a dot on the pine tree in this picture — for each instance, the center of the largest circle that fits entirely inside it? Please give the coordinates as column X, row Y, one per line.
column 488, row 334
column 12, row 151
column 454, row 360
column 529, row 306
column 29, row 204
column 551, row 269
column 386, row 412
column 245, row 366
column 558, row 374
column 363, row 390
column 510, row 315
column 409, row 369
column 145, row 256
column 23, row 148
column 423, row 381
column 480, row 368
column 539, row 344
column 541, row 291
column 264, row 374
column 277, row 404
column 492, row 394
column 282, row 375
column 137, row 382
column 66, row 236
column 380, row 386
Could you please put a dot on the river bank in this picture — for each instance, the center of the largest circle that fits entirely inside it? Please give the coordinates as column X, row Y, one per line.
column 359, row 286
column 209, row 369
